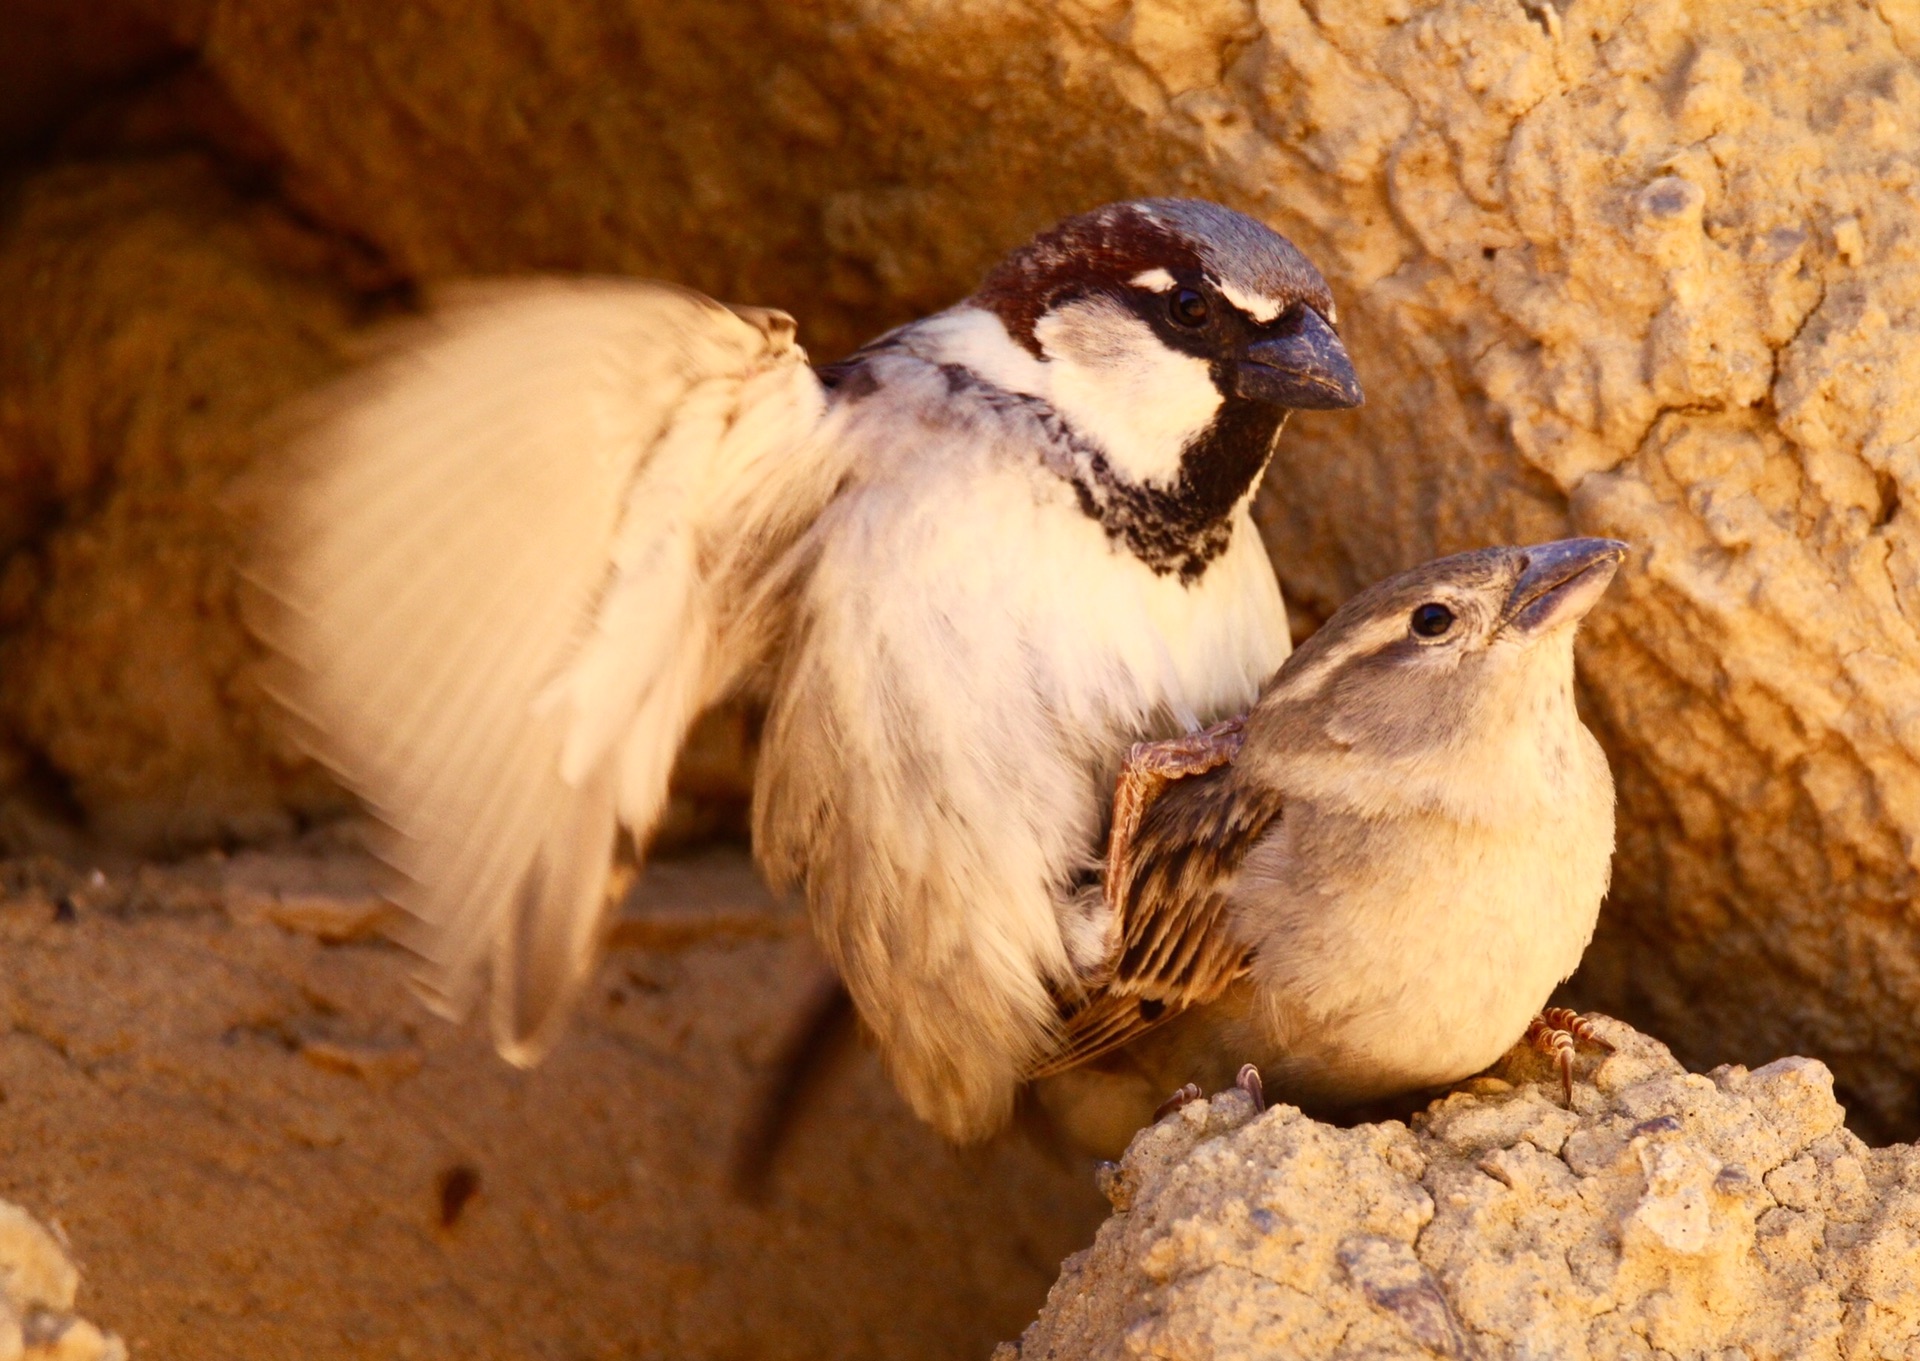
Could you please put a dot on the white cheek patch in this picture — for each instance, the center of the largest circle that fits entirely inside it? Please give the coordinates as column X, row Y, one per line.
column 1256, row 305
column 976, row 339
column 1153, row 280
column 1120, row 386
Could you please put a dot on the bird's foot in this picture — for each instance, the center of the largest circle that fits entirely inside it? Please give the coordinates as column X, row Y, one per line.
column 1188, row 1094
column 1248, row 1081
column 1557, row 1032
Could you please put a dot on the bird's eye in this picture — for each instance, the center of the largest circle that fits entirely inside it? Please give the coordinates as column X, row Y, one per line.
column 1432, row 619
column 1187, row 307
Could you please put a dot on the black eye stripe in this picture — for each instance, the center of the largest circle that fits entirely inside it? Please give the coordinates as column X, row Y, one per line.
column 1431, row 620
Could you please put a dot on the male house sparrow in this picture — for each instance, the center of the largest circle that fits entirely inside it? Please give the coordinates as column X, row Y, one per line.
column 1369, row 885
column 976, row 559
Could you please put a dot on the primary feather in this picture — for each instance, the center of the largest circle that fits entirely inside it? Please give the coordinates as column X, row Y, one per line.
column 511, row 573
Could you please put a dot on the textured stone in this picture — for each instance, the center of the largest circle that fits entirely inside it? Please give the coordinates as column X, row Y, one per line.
column 37, row 1288
column 1668, row 1213
column 153, row 318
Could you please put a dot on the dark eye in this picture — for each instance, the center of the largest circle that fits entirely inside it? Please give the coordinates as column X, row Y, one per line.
column 1432, row 619
column 1187, row 307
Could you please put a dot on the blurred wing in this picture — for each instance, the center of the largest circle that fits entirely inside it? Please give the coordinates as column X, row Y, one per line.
column 1177, row 949
column 508, row 576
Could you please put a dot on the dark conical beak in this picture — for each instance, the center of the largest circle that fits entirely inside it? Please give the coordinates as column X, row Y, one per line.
column 1561, row 582
column 1305, row 368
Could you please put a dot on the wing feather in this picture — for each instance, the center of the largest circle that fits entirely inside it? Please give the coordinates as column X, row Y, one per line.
column 1177, row 944
column 505, row 579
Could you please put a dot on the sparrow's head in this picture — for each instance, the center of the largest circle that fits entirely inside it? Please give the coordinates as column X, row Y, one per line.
column 1451, row 684
column 1173, row 335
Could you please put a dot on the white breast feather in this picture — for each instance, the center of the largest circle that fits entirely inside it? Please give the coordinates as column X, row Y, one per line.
column 975, row 655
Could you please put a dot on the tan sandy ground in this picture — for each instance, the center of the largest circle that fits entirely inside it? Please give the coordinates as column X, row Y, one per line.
column 255, row 1140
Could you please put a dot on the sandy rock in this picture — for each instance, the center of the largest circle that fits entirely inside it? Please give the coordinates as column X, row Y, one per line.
column 1633, row 268
column 1668, row 1213
column 154, row 316
column 59, row 58
column 1647, row 271
column 37, row 1288
column 158, row 316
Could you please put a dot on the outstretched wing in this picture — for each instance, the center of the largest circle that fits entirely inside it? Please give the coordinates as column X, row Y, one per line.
column 1177, row 948
column 509, row 573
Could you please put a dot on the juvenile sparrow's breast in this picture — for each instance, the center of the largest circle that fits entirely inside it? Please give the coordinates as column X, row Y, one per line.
column 1401, row 954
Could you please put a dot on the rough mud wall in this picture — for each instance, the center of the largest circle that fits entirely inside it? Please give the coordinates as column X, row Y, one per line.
column 1642, row 269
column 1650, row 271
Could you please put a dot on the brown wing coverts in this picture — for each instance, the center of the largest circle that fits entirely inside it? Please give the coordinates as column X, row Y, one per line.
column 1176, row 946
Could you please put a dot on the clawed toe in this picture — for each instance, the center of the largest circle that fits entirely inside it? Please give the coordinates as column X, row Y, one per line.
column 1249, row 1082
column 1186, row 1096
column 1576, row 1025
column 1557, row 1032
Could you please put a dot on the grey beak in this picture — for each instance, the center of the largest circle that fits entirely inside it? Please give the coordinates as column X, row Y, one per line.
column 1305, row 369
column 1561, row 582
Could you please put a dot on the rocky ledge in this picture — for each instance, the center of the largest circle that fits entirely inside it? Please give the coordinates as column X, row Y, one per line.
column 37, row 1287
column 1667, row 1213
